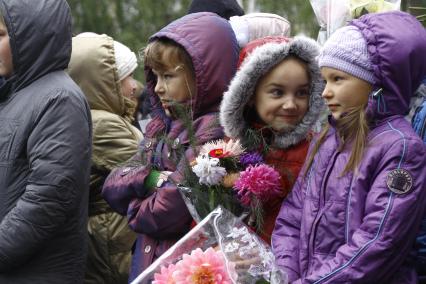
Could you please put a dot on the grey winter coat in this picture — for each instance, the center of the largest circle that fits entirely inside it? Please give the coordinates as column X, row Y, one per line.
column 45, row 145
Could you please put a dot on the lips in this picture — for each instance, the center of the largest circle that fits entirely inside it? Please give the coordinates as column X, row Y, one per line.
column 333, row 106
column 166, row 104
column 288, row 118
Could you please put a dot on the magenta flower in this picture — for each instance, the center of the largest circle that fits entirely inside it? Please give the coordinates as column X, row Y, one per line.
column 165, row 276
column 262, row 181
column 203, row 267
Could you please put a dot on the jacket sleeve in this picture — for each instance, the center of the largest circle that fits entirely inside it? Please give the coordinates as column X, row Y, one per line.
column 164, row 213
column 155, row 212
column 58, row 151
column 285, row 237
column 124, row 184
column 114, row 142
column 390, row 223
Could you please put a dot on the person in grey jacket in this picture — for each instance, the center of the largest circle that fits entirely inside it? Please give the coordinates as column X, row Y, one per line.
column 45, row 147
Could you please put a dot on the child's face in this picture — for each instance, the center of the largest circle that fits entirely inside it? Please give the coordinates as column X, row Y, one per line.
column 343, row 91
column 174, row 85
column 282, row 95
column 6, row 63
column 128, row 87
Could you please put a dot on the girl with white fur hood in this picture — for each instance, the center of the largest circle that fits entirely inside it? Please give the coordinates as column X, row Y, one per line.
column 275, row 98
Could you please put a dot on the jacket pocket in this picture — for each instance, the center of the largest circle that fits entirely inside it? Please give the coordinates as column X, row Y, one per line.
column 329, row 232
column 8, row 131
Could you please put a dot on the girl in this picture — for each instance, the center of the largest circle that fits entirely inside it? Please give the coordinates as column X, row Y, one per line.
column 103, row 68
column 353, row 214
column 188, row 65
column 276, row 94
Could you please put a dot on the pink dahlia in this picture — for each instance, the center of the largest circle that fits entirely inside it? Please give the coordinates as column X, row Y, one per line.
column 203, row 267
column 165, row 276
column 262, row 181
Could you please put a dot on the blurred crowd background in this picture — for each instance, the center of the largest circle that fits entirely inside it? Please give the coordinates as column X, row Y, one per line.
column 133, row 21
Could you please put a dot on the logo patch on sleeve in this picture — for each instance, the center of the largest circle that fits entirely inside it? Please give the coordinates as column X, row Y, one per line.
column 399, row 181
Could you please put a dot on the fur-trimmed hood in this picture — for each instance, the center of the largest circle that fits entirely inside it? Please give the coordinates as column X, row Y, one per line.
column 257, row 64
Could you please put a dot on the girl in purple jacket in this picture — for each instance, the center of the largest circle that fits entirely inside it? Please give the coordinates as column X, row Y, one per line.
column 355, row 210
column 188, row 65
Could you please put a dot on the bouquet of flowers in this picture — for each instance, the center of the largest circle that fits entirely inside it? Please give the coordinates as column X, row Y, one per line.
column 362, row 7
column 220, row 249
column 226, row 174
column 333, row 14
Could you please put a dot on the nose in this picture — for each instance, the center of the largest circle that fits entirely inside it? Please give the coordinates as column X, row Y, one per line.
column 134, row 86
column 290, row 103
column 159, row 87
column 327, row 94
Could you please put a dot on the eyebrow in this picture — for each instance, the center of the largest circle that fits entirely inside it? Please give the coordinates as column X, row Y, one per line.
column 332, row 73
column 282, row 86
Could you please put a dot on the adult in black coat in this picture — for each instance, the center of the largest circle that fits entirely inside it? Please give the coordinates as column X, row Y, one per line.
column 45, row 147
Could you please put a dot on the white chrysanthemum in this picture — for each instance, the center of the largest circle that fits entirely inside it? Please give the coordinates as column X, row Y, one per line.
column 230, row 148
column 208, row 170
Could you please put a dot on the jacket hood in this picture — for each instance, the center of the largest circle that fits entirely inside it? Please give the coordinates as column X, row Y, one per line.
column 211, row 43
column 397, row 48
column 93, row 68
column 258, row 25
column 258, row 63
column 40, row 38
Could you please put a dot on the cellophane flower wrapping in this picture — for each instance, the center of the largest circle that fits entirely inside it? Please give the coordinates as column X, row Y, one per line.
column 362, row 7
column 334, row 14
column 331, row 15
column 220, row 249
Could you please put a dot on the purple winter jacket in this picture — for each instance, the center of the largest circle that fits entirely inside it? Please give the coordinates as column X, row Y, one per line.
column 353, row 228
column 161, row 217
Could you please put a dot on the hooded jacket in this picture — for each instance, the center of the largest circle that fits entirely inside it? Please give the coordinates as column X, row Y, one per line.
column 45, row 146
column 288, row 149
column 254, row 26
column 361, row 227
column 115, row 140
column 161, row 217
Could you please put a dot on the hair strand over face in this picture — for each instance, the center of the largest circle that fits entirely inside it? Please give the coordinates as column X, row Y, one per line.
column 352, row 129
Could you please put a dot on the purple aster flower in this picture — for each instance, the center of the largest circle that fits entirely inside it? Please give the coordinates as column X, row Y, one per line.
column 251, row 158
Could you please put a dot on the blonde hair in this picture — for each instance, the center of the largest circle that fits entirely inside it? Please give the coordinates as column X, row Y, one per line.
column 352, row 129
column 164, row 53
